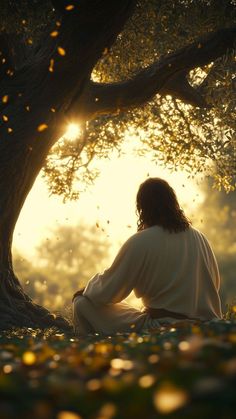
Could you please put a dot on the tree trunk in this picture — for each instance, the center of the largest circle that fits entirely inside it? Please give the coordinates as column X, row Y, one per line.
column 33, row 119
column 17, row 178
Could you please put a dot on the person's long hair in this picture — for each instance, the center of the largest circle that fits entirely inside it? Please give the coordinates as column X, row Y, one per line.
column 157, row 204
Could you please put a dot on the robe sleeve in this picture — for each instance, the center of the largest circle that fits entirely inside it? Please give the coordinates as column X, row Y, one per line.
column 117, row 282
column 212, row 263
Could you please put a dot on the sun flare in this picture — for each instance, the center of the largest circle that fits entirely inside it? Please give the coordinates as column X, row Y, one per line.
column 73, row 132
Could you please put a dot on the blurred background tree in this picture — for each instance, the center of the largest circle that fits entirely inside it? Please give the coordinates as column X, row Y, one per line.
column 64, row 262
column 216, row 217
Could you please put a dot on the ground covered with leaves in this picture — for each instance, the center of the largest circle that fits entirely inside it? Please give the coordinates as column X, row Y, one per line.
column 184, row 371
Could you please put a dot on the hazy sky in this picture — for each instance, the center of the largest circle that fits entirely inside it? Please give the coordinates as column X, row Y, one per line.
column 110, row 202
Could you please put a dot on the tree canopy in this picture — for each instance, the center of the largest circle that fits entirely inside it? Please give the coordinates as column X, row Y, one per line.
column 189, row 124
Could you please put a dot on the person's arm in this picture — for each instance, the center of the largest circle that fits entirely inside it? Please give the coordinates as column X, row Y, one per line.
column 79, row 292
column 117, row 282
column 212, row 263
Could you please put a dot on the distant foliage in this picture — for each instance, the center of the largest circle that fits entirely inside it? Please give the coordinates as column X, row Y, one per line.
column 217, row 218
column 66, row 260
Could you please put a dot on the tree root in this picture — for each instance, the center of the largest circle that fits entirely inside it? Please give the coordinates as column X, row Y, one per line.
column 18, row 310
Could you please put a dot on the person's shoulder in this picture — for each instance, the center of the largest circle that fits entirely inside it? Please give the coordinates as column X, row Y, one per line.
column 196, row 232
column 145, row 235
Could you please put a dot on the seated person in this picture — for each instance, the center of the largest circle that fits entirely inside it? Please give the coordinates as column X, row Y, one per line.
column 167, row 263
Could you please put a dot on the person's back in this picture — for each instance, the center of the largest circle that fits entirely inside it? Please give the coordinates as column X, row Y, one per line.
column 180, row 273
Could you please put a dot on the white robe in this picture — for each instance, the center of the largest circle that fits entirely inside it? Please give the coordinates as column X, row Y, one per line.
column 174, row 271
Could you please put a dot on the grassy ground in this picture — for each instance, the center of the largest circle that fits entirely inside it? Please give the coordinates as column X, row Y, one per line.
column 186, row 371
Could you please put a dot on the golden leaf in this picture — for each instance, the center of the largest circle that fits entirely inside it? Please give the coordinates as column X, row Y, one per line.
column 50, row 68
column 5, row 98
column 70, row 7
column 42, row 127
column 61, row 51
column 53, row 34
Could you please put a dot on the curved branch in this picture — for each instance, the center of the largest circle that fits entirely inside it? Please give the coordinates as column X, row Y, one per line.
column 166, row 76
column 179, row 87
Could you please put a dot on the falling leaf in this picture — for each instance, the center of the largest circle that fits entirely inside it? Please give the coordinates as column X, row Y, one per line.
column 5, row 118
column 61, row 51
column 54, row 34
column 5, row 99
column 70, row 7
column 9, row 130
column 51, row 66
column 42, row 127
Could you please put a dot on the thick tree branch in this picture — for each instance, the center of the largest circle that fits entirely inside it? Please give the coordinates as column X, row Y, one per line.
column 179, row 87
column 166, row 76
